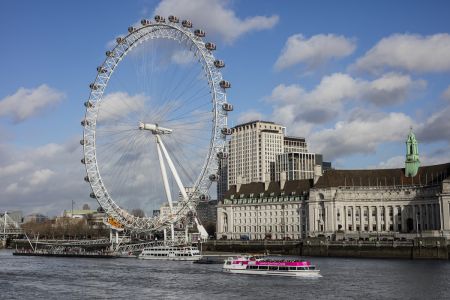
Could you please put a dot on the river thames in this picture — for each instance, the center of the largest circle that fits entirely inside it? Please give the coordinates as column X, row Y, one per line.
column 343, row 278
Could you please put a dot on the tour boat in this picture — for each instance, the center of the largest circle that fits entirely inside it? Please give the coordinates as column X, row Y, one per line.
column 263, row 266
column 171, row 253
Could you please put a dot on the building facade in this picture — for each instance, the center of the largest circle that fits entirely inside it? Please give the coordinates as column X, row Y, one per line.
column 298, row 165
column 357, row 203
column 340, row 204
column 222, row 182
column 207, row 212
column 257, row 148
column 294, row 144
column 270, row 210
column 252, row 151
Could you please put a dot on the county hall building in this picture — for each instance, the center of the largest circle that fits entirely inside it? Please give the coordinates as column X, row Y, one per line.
column 397, row 203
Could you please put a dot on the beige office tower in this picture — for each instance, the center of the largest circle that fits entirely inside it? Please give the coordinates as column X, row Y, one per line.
column 253, row 148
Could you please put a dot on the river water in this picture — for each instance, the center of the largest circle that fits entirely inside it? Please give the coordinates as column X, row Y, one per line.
column 127, row 278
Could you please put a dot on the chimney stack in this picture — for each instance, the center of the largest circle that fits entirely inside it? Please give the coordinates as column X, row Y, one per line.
column 317, row 172
column 238, row 183
column 266, row 181
column 282, row 180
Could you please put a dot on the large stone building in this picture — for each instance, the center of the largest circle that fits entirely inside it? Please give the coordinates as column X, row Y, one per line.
column 401, row 202
column 379, row 201
column 260, row 210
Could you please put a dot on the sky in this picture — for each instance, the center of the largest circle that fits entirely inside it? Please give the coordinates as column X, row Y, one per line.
column 352, row 77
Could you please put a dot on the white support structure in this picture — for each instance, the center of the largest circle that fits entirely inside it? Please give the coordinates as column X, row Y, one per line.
column 9, row 227
column 201, row 229
column 164, row 174
column 172, row 168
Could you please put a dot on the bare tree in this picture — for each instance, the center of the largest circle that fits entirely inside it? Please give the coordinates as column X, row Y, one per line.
column 86, row 207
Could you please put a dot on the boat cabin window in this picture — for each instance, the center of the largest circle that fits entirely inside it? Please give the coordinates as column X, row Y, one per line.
column 263, row 267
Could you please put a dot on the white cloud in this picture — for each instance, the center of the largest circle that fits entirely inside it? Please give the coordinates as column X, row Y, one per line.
column 391, row 163
column 248, row 116
column 215, row 17
column 392, row 88
column 182, row 57
column 14, row 168
column 446, row 94
column 436, row 127
column 12, row 188
column 324, row 103
column 360, row 135
column 45, row 179
column 314, row 51
column 116, row 106
column 414, row 53
column 426, row 159
column 26, row 103
column 41, row 176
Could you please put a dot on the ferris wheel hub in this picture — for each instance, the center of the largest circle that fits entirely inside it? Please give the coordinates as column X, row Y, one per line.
column 154, row 128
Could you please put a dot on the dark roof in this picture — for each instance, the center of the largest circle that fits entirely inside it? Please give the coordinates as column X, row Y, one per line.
column 427, row 175
column 293, row 186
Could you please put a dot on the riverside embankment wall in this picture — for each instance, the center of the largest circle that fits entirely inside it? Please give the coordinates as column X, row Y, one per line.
column 419, row 248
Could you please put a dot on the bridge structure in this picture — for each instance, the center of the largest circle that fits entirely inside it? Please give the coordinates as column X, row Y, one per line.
column 9, row 227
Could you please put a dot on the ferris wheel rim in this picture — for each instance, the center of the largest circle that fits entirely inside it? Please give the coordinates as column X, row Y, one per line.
column 124, row 45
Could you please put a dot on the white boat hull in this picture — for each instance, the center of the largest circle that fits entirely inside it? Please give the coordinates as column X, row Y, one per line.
column 171, row 253
column 187, row 258
column 306, row 273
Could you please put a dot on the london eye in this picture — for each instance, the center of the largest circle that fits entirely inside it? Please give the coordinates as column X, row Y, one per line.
column 155, row 124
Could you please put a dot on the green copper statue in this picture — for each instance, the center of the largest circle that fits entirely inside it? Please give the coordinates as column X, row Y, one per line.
column 412, row 162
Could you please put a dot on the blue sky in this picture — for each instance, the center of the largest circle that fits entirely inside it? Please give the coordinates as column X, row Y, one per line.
column 349, row 76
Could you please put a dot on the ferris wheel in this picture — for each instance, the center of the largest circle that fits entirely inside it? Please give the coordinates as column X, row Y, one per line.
column 155, row 124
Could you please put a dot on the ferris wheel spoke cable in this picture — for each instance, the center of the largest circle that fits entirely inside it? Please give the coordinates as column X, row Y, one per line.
column 114, row 155
column 118, row 176
column 187, row 86
column 194, row 96
column 188, row 114
column 113, row 139
column 181, row 83
column 181, row 112
column 187, row 158
column 182, row 166
column 189, row 101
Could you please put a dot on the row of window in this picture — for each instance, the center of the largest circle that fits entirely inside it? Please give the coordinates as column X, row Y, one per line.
column 266, row 213
column 280, row 268
column 266, row 228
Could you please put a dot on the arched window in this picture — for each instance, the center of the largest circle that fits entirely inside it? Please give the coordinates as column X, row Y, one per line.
column 225, row 222
column 321, row 196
